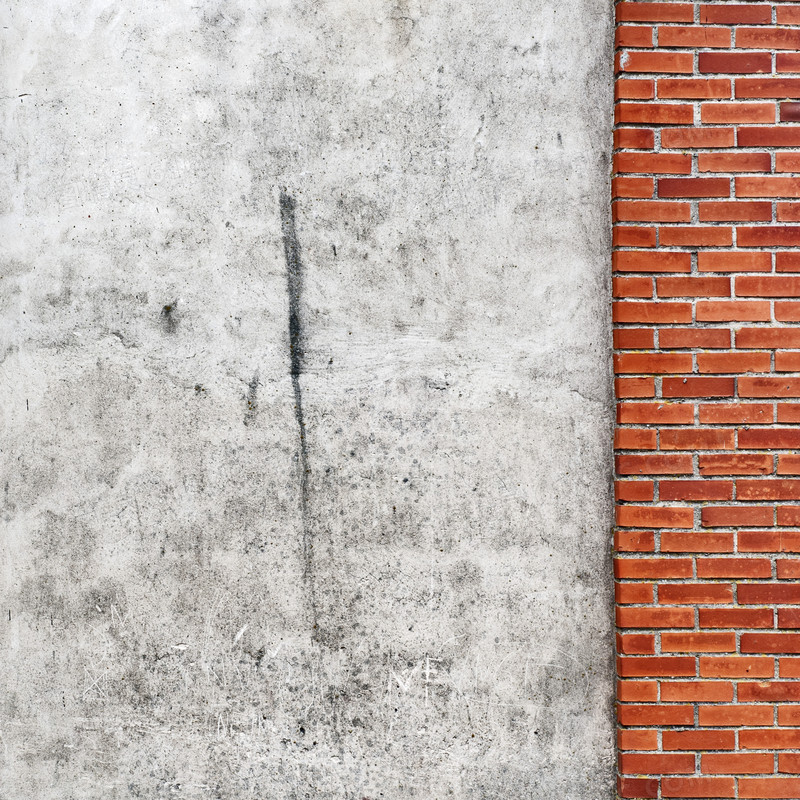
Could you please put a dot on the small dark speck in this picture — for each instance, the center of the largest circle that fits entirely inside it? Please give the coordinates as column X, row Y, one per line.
column 9, row 615
column 198, row 388
column 27, row 407
column 405, row 480
column 330, row 361
column 169, row 318
column 334, row 250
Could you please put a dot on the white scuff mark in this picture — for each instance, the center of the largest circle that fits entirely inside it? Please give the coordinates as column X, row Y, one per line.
column 240, row 634
column 623, row 59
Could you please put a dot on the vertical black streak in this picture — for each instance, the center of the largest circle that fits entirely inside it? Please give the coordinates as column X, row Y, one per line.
column 294, row 280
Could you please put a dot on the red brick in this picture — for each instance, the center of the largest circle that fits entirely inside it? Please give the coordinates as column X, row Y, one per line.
column 697, row 787
column 767, row 286
column 730, row 14
column 634, row 593
column 788, row 15
column 768, row 489
column 633, row 61
column 634, row 387
column 787, row 62
column 790, row 112
column 638, row 568
column 734, row 567
column 734, row 262
column 636, row 644
column 749, row 186
column 640, row 89
column 713, row 739
column 637, row 691
column 654, row 114
column 768, row 38
column 788, row 762
column 769, row 387
column 672, row 338
column 641, row 788
column 735, row 212
column 656, row 764
column 655, row 517
column 787, row 262
column 634, row 541
column 788, row 212
column 694, row 691
column 775, row 235
column 697, row 439
column 656, row 312
column 633, row 439
column 767, row 88
column 696, row 490
column 734, row 667
column 650, row 211
column 693, row 593
column 696, row 542
column 774, row 438
column 737, row 715
column 698, row 642
column 769, row 787
column 770, row 642
column 788, row 361
column 769, row 739
column 693, row 36
column 663, row 163
column 724, row 516
column 693, row 88
column 635, row 739
column 694, row 187
column 654, row 667
column 697, row 387
column 734, row 362
column 695, row 236
column 654, row 12
column 689, row 138
column 733, row 311
column 789, row 465
column 661, row 464
column 735, row 618
column 726, row 413
column 655, row 715
column 643, row 261
column 736, row 464
column 633, row 236
column 655, row 413
column 735, row 763
column 634, row 138
column 652, row 363
column 767, row 337
column 734, row 62
column 633, row 188
column 693, row 287
column 768, row 691
column 734, row 162
column 787, row 311
column 633, row 36
column 716, row 113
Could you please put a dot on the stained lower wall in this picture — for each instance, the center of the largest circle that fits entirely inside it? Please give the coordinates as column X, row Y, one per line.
column 306, row 400
column 706, row 186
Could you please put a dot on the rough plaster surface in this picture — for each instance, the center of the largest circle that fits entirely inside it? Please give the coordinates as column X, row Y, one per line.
column 305, row 397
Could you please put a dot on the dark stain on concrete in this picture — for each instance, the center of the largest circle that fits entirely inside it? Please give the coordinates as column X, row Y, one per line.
column 294, row 287
column 169, row 318
column 252, row 400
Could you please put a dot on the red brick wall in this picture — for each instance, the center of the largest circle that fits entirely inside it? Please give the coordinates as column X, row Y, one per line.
column 707, row 357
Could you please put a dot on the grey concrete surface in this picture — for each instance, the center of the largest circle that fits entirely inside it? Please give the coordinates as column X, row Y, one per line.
column 306, row 400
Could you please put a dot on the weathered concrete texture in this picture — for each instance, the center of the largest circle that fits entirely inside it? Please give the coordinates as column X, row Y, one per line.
column 413, row 600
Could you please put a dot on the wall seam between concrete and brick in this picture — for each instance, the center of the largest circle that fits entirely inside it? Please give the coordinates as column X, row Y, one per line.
column 706, row 201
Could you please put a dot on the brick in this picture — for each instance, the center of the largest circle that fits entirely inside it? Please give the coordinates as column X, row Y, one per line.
column 787, row 312
column 768, row 691
column 650, row 667
column 734, row 62
column 655, row 517
column 788, row 212
column 698, row 642
column 787, row 262
column 693, row 88
column 769, row 541
column 662, row 714
column 654, row 12
column 693, row 287
column 693, row 593
column 734, row 362
column 697, row 387
column 638, row 568
column 734, row 567
column 767, row 286
column 697, row 691
column 735, row 464
column 769, row 739
column 767, row 88
column 634, row 541
column 769, row 787
column 697, row 787
column 737, row 715
column 694, row 187
column 734, row 162
column 656, row 764
column 787, row 162
column 790, row 112
column 660, row 163
column 789, row 618
column 768, row 38
column 768, row 489
column 787, row 62
column 770, row 643
column 634, row 138
column 696, row 542
column 677, row 63
column 693, row 36
column 632, row 439
column 766, row 236
column 734, row 667
column 654, row 114
column 650, row 211
column 638, row 89
column 670, row 338
column 697, row 439
column 788, row 762
column 652, row 363
column 637, row 691
column 655, row 413
column 643, row 261
column 734, row 262
column 634, row 592
column 634, row 387
column 769, row 387
column 749, row 186
column 789, row 465
column 775, row 438
column 735, row 617
column 632, row 287
column 722, row 113
column 695, row 236
column 788, row 412
column 788, row 15
column 633, row 236
column 736, row 763
column 733, row 311
column 655, row 312
column 726, row 413
column 731, row 14
column 635, row 739
column 713, row 739
column 633, row 36
column 787, row 361
column 696, row 490
column 735, row 212
column 636, row 644
column 633, row 188
column 724, row 516
column 767, row 337
column 666, row 464
column 690, row 138
column 642, row 788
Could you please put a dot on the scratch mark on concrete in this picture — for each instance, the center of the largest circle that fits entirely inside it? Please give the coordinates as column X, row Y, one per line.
column 294, row 279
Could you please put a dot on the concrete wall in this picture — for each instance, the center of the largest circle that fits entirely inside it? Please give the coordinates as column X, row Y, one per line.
column 306, row 400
